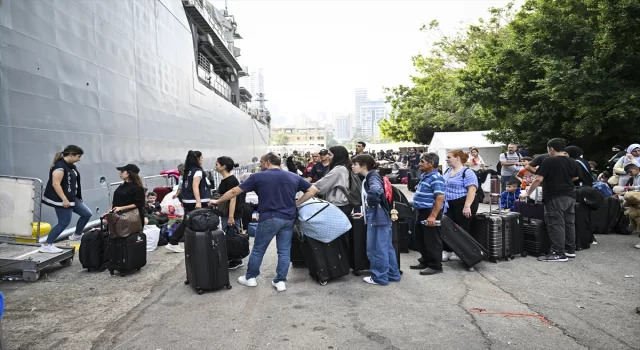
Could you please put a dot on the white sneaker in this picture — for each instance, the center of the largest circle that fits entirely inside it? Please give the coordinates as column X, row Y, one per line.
column 75, row 237
column 445, row 256
column 174, row 248
column 251, row 282
column 637, row 246
column 570, row 255
column 51, row 249
column 453, row 257
column 280, row 286
column 369, row 280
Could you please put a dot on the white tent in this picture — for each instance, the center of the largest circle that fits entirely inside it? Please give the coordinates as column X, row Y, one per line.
column 444, row 142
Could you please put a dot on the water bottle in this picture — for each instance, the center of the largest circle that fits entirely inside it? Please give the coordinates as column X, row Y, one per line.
column 424, row 222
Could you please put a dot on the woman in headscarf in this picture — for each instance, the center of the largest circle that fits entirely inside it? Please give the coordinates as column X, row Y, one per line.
column 632, row 157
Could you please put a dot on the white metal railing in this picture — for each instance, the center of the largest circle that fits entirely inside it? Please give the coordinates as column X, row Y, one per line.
column 217, row 28
column 204, row 63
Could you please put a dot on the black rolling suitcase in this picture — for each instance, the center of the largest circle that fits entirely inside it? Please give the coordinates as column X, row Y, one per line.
column 205, row 257
column 536, row 237
column 403, row 236
column 94, row 248
column 412, row 184
column 465, row 247
column 297, row 258
column 127, row 254
column 530, row 210
column 396, row 227
column 325, row 260
column 358, row 260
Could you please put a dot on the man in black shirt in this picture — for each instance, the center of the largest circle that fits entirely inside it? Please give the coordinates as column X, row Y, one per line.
column 321, row 168
column 557, row 174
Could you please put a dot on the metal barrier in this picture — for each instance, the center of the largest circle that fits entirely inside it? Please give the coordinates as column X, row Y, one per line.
column 113, row 184
column 8, row 205
column 153, row 178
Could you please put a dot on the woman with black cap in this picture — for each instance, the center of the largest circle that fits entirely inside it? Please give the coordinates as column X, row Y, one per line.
column 129, row 195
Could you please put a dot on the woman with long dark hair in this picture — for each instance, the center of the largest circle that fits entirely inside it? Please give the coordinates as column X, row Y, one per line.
column 64, row 194
column 224, row 165
column 129, row 195
column 334, row 184
column 195, row 194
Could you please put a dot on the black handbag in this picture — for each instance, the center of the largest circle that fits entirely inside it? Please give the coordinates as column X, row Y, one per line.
column 237, row 244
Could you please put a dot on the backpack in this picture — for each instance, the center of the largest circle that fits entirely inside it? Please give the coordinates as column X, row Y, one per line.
column 598, row 185
column 354, row 192
column 388, row 189
column 479, row 190
column 499, row 165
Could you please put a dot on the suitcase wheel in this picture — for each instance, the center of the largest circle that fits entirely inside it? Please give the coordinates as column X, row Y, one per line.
column 523, row 254
column 186, row 282
column 122, row 274
column 66, row 262
column 493, row 260
column 356, row 273
column 111, row 272
column 401, row 272
column 229, row 286
column 200, row 291
column 323, row 283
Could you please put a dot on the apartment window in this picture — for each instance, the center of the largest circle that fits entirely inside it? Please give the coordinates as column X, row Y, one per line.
column 320, row 137
column 298, row 138
column 311, row 138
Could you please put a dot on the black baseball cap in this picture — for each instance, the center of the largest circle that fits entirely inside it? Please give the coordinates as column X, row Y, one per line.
column 132, row 168
column 323, row 152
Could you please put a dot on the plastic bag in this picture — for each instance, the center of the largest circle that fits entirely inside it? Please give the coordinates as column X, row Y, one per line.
column 153, row 236
column 171, row 206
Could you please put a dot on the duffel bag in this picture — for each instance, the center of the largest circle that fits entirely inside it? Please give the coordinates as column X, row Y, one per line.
column 237, row 244
column 202, row 220
column 322, row 220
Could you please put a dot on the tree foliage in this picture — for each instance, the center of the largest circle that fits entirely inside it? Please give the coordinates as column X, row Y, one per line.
column 280, row 139
column 556, row 68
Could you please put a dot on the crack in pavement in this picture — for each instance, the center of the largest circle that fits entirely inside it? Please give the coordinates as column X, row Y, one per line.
column 474, row 321
column 564, row 331
column 119, row 326
column 373, row 336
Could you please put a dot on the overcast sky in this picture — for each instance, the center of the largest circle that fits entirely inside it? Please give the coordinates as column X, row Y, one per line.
column 316, row 52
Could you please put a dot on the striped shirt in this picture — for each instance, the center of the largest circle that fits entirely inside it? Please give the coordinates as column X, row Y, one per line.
column 430, row 185
column 456, row 186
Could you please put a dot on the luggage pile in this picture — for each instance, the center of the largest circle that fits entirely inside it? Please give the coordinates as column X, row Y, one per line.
column 119, row 246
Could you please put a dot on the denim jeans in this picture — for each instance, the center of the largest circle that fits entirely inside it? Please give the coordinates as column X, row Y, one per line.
column 503, row 180
column 224, row 222
column 64, row 219
column 382, row 256
column 283, row 231
column 560, row 218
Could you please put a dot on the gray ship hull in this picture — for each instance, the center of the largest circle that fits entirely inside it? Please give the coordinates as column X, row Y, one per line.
column 117, row 78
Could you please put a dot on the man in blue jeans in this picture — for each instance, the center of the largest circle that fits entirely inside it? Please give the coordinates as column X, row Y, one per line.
column 276, row 189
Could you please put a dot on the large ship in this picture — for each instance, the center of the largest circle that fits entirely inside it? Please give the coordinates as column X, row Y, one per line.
column 129, row 81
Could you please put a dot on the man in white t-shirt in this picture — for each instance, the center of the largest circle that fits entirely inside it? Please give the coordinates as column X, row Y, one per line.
column 511, row 163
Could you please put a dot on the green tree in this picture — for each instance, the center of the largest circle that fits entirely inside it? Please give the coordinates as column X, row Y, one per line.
column 564, row 68
column 433, row 102
column 280, row 139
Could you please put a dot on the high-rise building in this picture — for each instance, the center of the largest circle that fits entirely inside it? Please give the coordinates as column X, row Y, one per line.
column 371, row 113
column 343, row 128
column 257, row 84
column 360, row 98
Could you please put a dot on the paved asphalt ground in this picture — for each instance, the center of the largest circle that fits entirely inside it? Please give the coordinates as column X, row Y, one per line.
column 589, row 302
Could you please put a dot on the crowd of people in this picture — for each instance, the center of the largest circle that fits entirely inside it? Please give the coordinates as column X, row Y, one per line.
column 454, row 192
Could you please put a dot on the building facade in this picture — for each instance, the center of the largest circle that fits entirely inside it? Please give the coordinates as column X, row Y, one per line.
column 343, row 126
column 371, row 113
column 301, row 138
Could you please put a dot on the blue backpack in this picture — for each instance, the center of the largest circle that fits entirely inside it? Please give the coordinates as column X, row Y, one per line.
column 598, row 185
